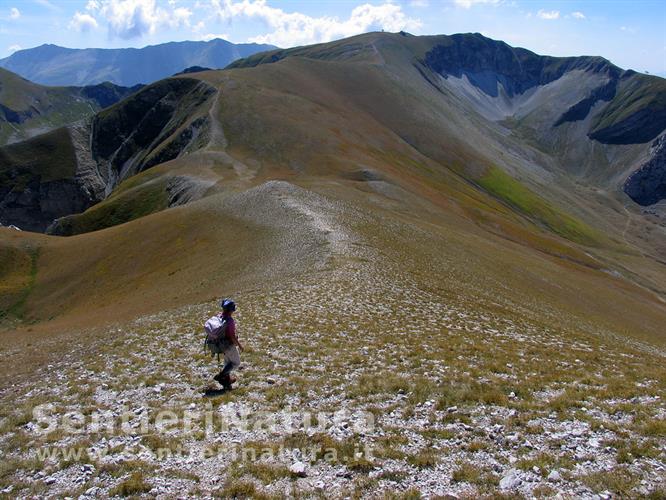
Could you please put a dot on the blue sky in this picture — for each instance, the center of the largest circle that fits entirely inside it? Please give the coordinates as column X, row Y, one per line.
column 632, row 34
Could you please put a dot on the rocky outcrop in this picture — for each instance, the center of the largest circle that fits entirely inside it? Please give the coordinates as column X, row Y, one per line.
column 488, row 63
column 635, row 112
column 581, row 109
column 153, row 126
column 647, row 185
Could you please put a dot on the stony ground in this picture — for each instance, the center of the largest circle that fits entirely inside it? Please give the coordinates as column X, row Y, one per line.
column 358, row 381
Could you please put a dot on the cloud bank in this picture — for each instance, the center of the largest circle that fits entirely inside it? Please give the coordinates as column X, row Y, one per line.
column 294, row 28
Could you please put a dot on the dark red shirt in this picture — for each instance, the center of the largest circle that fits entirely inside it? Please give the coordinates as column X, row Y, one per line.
column 230, row 327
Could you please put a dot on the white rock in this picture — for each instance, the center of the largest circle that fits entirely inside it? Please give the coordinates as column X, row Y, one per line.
column 50, row 480
column 298, row 468
column 554, row 476
column 510, row 480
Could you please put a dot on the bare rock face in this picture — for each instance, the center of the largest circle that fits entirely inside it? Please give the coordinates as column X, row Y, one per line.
column 647, row 185
column 150, row 127
column 488, row 63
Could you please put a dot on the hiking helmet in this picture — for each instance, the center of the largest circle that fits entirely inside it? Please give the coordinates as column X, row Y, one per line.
column 228, row 305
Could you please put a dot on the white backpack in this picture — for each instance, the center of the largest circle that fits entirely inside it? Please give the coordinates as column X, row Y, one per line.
column 216, row 335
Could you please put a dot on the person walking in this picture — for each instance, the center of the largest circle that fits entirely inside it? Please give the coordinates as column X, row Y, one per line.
column 231, row 345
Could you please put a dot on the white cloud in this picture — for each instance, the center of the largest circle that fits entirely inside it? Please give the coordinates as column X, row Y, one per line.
column 294, row 28
column 47, row 4
column 13, row 48
column 82, row 22
column 578, row 15
column 548, row 14
column 92, row 5
column 14, row 13
column 419, row 4
column 135, row 18
column 466, row 4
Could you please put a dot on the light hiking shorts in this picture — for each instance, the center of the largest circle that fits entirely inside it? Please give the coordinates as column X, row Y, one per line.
column 231, row 358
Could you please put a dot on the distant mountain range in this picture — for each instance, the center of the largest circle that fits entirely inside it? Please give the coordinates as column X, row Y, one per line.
column 54, row 65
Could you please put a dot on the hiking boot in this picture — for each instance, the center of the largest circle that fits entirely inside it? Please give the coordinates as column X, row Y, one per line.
column 228, row 381
column 219, row 378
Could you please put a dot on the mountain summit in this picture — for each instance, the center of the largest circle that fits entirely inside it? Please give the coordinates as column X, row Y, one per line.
column 54, row 65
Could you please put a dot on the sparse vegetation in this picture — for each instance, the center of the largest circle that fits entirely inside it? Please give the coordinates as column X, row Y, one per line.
column 134, row 485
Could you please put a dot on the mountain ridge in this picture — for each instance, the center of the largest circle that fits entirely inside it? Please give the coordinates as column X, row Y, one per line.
column 50, row 64
column 367, row 114
column 28, row 109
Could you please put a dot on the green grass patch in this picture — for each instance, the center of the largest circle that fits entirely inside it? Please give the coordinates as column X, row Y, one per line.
column 656, row 428
column 266, row 473
column 134, row 485
column 126, row 205
column 425, row 458
column 619, row 481
column 234, row 488
column 503, row 186
column 473, row 474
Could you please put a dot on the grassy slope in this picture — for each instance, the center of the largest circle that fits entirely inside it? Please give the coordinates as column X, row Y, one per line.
column 47, row 157
column 49, row 107
column 18, row 269
column 125, row 204
column 637, row 93
column 489, row 333
column 316, row 124
column 500, row 184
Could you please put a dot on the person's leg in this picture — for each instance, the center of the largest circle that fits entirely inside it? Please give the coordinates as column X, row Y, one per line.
column 231, row 362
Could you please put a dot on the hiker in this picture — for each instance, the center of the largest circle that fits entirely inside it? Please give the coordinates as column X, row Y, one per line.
column 230, row 345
